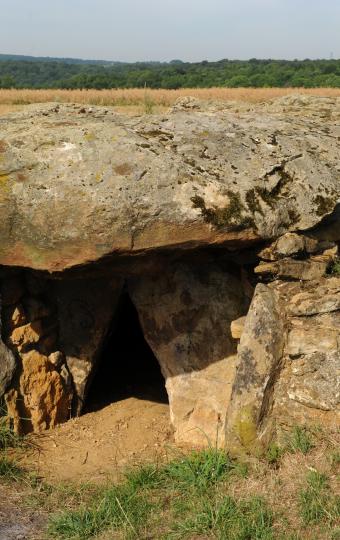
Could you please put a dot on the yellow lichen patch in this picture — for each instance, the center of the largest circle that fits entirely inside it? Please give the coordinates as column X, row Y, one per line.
column 245, row 426
column 89, row 137
column 99, row 176
column 4, row 183
column 4, row 190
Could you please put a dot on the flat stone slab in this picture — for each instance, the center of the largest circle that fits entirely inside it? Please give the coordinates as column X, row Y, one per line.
column 81, row 183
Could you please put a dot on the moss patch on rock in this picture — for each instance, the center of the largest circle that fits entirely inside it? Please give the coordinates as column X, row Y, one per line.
column 230, row 217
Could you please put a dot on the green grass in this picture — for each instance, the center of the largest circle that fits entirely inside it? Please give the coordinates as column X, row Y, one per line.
column 335, row 268
column 225, row 518
column 301, row 440
column 200, row 470
column 198, row 495
column 183, row 488
column 144, row 477
column 274, row 454
column 316, row 501
column 334, row 458
column 188, row 498
column 119, row 507
column 9, row 470
column 8, row 439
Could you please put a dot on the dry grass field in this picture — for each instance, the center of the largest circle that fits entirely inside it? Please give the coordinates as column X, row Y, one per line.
column 133, row 101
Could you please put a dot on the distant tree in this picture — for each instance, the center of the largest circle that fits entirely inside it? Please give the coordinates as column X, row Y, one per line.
column 7, row 81
column 42, row 73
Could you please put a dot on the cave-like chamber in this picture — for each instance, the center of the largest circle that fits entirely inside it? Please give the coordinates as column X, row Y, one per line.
column 126, row 366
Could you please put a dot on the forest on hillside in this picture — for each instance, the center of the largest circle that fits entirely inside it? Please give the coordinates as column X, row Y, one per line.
column 28, row 72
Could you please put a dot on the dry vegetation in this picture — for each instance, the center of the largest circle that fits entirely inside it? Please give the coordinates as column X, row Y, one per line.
column 133, row 100
column 291, row 493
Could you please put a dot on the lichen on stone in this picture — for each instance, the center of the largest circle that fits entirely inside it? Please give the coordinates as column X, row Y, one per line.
column 229, row 217
column 253, row 202
column 324, row 205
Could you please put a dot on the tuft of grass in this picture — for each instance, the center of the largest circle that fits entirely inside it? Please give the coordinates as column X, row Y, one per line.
column 202, row 469
column 316, row 501
column 9, row 470
column 300, row 440
column 118, row 508
column 274, row 454
column 226, row 518
column 8, row 439
column 334, row 458
column 145, row 477
column 148, row 103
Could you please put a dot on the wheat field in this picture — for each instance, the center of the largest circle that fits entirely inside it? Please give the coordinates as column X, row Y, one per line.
column 133, row 100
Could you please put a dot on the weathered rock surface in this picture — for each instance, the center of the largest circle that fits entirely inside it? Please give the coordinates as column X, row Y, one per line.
column 288, row 370
column 7, row 359
column 85, row 309
column 308, row 390
column 237, row 327
column 7, row 367
column 44, row 402
column 76, row 186
column 186, row 316
column 258, row 363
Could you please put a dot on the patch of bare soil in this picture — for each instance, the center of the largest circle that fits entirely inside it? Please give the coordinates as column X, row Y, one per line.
column 16, row 522
column 98, row 445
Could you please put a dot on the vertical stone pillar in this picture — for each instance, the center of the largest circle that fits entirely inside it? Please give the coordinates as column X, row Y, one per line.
column 185, row 315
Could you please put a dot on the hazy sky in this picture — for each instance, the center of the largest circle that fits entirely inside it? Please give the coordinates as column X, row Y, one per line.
column 131, row 30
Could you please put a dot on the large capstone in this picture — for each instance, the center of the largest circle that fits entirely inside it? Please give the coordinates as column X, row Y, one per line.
column 79, row 184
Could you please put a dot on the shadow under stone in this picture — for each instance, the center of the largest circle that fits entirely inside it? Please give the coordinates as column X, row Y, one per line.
column 127, row 366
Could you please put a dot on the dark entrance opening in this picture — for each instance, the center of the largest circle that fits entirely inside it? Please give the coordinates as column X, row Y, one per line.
column 127, row 367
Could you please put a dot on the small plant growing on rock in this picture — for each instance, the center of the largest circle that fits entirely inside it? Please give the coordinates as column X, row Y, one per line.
column 335, row 268
column 230, row 217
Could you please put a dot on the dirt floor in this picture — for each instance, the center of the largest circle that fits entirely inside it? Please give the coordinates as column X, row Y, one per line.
column 94, row 448
column 98, row 445
column 16, row 522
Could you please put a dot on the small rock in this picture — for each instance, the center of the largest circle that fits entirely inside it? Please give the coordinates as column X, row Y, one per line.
column 26, row 336
column 237, row 327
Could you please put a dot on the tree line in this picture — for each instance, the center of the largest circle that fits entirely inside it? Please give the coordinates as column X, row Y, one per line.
column 68, row 74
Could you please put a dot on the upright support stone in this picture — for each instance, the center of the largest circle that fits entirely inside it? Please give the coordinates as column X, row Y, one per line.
column 7, row 361
column 259, row 357
column 7, row 367
column 186, row 316
column 85, row 311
